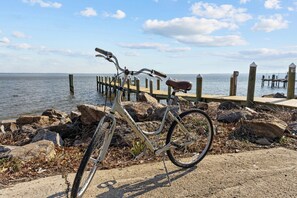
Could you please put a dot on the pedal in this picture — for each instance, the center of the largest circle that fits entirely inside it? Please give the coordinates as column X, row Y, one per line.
column 167, row 174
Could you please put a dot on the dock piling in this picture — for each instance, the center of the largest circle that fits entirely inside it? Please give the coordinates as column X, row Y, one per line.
column 137, row 88
column 71, row 85
column 291, row 81
column 198, row 87
column 251, row 85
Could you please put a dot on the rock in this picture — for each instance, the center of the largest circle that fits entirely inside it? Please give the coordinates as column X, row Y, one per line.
column 2, row 130
column 9, row 125
column 230, row 116
column 91, row 113
column 145, row 97
column 263, row 141
column 66, row 130
column 41, row 149
column 276, row 95
column 228, row 105
column 30, row 119
column 143, row 111
column 294, row 115
column 53, row 113
column 292, row 128
column 45, row 134
column 268, row 127
column 74, row 115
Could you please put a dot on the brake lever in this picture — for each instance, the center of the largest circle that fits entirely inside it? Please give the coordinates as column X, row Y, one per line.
column 154, row 76
column 99, row 55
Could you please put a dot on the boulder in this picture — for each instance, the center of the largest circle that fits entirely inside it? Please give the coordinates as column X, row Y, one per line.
column 292, row 128
column 30, row 119
column 276, row 95
column 2, row 129
column 74, row 115
column 228, row 105
column 53, row 113
column 45, row 134
column 230, row 116
column 294, row 116
column 268, row 127
column 145, row 97
column 143, row 111
column 233, row 116
column 44, row 149
column 9, row 125
column 91, row 113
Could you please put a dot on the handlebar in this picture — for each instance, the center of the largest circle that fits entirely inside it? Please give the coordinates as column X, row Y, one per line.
column 108, row 56
column 101, row 51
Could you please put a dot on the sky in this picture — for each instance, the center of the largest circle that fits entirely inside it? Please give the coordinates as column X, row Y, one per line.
column 172, row 36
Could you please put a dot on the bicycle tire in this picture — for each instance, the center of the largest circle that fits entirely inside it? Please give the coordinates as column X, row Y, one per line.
column 192, row 145
column 96, row 143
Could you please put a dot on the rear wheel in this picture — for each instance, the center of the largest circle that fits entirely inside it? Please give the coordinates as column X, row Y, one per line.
column 90, row 162
column 191, row 138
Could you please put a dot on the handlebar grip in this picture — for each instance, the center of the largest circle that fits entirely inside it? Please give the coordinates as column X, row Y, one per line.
column 101, row 51
column 159, row 74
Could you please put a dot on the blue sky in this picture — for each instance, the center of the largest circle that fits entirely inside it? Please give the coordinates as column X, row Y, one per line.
column 173, row 36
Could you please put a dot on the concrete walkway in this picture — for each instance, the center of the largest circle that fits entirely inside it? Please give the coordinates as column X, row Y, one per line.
column 262, row 173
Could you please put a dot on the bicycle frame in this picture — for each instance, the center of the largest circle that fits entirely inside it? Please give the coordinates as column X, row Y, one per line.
column 117, row 107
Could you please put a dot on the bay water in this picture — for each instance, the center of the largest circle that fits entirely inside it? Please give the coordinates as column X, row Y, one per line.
column 32, row 93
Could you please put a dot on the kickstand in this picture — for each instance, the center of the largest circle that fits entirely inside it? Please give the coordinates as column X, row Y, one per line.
column 167, row 174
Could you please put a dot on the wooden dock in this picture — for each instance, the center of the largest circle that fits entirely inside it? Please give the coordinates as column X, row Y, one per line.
column 108, row 85
column 274, row 81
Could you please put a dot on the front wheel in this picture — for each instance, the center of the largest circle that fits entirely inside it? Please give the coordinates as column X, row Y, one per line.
column 190, row 138
column 90, row 161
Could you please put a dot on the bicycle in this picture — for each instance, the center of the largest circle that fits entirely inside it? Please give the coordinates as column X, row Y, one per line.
column 188, row 139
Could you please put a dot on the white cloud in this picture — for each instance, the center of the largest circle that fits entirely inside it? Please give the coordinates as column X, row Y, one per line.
column 88, row 12
column 293, row 7
column 156, row 46
column 192, row 30
column 262, row 54
column 185, row 26
column 271, row 23
column 244, row 1
column 208, row 40
column 22, row 46
column 225, row 11
column 44, row 4
column 5, row 40
column 18, row 34
column 118, row 15
column 272, row 4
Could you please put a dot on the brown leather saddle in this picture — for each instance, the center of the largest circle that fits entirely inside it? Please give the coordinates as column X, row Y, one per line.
column 179, row 85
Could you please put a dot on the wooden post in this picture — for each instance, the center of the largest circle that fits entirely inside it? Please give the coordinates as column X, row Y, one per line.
column 151, row 87
column 109, row 86
column 291, row 81
column 169, row 93
column 137, row 88
column 106, row 88
column 158, row 84
column 198, row 87
column 114, row 85
column 71, row 85
column 272, row 81
column 146, row 83
column 251, row 85
column 263, row 78
column 233, row 83
column 231, row 86
column 97, row 83
column 128, row 88
column 102, row 84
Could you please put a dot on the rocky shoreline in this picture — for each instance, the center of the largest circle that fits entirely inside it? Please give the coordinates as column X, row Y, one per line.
column 53, row 143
